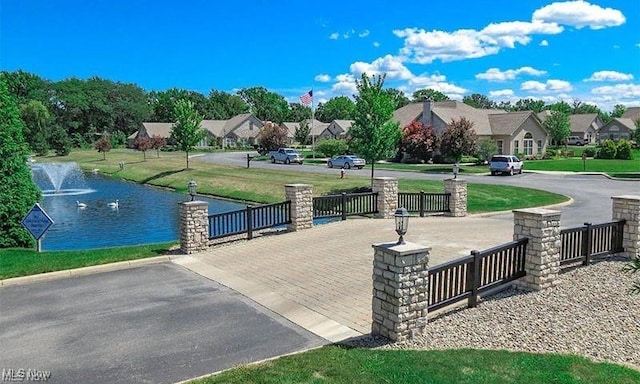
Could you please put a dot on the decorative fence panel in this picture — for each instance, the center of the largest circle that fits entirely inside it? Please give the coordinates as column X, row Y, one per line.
column 249, row 220
column 422, row 202
column 343, row 205
column 467, row 277
column 583, row 243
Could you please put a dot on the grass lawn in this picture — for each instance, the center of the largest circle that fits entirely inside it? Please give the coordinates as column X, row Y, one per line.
column 352, row 366
column 434, row 168
column 574, row 164
column 266, row 186
column 24, row 262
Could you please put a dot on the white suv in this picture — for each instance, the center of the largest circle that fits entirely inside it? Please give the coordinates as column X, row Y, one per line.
column 576, row 140
column 505, row 164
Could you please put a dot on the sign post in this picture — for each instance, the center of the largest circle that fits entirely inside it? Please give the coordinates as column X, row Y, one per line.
column 37, row 222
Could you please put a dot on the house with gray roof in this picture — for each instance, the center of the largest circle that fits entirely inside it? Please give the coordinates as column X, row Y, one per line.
column 513, row 132
column 585, row 125
column 337, row 129
column 632, row 113
column 616, row 129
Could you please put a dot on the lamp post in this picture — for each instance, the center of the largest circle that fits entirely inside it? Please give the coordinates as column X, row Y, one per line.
column 402, row 223
column 456, row 170
column 192, row 189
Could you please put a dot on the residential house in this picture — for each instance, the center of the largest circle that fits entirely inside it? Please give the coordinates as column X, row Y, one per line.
column 513, row 132
column 291, row 130
column 337, row 129
column 154, row 129
column 585, row 125
column 632, row 113
column 616, row 129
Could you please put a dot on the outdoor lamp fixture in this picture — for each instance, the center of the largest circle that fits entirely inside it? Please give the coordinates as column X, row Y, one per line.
column 402, row 223
column 192, row 189
column 456, row 170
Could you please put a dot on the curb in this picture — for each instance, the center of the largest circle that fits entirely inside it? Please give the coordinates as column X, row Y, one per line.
column 76, row 272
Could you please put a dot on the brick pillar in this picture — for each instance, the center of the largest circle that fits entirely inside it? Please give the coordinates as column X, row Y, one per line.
column 194, row 226
column 627, row 208
column 387, row 188
column 301, row 197
column 458, row 190
column 400, row 285
column 542, row 259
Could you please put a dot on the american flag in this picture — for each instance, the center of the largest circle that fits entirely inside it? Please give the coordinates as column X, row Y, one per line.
column 307, row 98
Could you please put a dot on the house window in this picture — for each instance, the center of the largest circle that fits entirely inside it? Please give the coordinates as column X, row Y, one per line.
column 251, row 125
column 516, row 146
column 528, row 144
column 500, row 145
column 539, row 146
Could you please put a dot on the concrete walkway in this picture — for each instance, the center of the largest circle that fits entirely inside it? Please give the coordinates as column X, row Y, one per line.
column 321, row 279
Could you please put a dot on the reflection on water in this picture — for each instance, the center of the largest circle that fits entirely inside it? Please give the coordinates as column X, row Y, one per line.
column 144, row 215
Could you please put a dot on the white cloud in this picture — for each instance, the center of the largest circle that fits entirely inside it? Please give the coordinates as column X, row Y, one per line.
column 345, row 83
column 364, row 33
column 616, row 46
column 620, row 91
column 548, row 86
column 638, row 45
column 334, row 36
column 391, row 65
column 495, row 74
column 376, row 44
column 348, row 34
column 323, row 78
column 579, row 14
column 610, row 76
column 501, row 93
column 544, row 43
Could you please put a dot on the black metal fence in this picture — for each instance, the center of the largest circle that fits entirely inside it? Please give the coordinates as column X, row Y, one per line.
column 583, row 243
column 249, row 220
column 469, row 276
column 345, row 204
column 422, row 202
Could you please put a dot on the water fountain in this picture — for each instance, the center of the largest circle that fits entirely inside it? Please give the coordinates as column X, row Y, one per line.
column 60, row 179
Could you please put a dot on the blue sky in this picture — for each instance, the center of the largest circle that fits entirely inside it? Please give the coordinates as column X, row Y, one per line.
column 505, row 49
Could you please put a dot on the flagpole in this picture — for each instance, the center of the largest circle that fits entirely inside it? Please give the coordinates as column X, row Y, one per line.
column 313, row 138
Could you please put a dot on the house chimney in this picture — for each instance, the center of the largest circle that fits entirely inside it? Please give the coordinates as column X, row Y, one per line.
column 426, row 112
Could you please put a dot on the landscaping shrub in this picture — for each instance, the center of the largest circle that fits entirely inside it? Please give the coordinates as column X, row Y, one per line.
column 623, row 150
column 550, row 154
column 607, row 150
column 590, row 152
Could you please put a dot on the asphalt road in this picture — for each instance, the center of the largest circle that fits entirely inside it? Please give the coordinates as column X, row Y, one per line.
column 591, row 193
column 153, row 324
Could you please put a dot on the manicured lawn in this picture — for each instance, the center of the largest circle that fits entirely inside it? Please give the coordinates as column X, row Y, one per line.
column 267, row 186
column 24, row 262
column 590, row 165
column 434, row 168
column 337, row 365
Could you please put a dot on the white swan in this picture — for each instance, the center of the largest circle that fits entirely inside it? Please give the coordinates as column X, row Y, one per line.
column 81, row 205
column 115, row 204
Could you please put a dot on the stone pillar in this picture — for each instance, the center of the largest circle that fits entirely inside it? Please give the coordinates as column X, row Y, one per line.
column 387, row 188
column 458, row 190
column 627, row 207
column 400, row 285
column 194, row 226
column 542, row 259
column 301, row 197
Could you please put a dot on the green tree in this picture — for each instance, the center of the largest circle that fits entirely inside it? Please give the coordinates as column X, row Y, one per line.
column 578, row 107
column 17, row 190
column 623, row 150
column 618, row 110
column 332, row 147
column 533, row 105
column 60, row 141
column 558, row 127
column 25, row 86
column 418, row 140
column 37, row 126
column 458, row 139
column 224, row 106
column 429, row 94
column 272, row 136
column 186, row 131
column 265, row 105
column 337, row 108
column 298, row 112
column 562, row 107
column 301, row 135
column 103, row 145
column 479, row 101
column 399, row 98
column 486, row 149
column 607, row 150
column 373, row 135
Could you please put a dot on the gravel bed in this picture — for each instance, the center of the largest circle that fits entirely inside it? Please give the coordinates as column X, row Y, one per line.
column 590, row 313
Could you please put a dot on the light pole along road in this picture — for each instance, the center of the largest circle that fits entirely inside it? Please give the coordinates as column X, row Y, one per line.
column 591, row 193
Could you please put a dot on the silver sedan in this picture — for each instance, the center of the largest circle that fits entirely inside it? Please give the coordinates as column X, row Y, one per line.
column 346, row 161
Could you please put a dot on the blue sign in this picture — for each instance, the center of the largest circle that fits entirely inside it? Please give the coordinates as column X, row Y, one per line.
column 37, row 221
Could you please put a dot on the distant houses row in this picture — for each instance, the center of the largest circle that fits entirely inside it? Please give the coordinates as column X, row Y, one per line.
column 513, row 132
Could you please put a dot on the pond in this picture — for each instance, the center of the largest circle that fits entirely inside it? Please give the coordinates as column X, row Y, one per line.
column 144, row 214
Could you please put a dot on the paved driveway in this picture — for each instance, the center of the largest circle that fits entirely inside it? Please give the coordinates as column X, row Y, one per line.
column 152, row 324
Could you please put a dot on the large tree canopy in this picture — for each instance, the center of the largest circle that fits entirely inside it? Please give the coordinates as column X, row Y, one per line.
column 429, row 94
column 373, row 135
column 265, row 105
column 337, row 108
column 458, row 139
column 558, row 127
column 17, row 190
column 479, row 101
